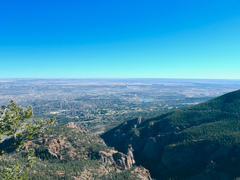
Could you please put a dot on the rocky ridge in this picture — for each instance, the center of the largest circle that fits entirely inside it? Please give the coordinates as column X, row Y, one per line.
column 72, row 142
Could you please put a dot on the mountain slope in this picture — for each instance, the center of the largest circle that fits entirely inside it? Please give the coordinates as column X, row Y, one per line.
column 72, row 152
column 202, row 141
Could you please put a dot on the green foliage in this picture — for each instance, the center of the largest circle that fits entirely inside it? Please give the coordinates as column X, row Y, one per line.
column 125, row 175
column 17, row 122
column 79, row 152
column 186, row 139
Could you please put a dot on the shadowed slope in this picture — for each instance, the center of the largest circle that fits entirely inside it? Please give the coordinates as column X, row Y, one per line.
column 200, row 141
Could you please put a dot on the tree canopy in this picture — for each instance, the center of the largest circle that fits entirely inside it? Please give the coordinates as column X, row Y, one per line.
column 18, row 123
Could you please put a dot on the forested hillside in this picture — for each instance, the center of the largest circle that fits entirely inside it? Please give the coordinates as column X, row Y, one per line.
column 200, row 142
column 72, row 152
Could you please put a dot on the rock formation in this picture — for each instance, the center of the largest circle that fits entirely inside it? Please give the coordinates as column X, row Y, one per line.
column 117, row 159
column 73, row 142
column 77, row 126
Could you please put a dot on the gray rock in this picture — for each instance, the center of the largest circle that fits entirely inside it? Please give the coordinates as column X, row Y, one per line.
column 117, row 159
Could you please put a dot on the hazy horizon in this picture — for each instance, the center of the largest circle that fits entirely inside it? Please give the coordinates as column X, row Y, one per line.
column 143, row 78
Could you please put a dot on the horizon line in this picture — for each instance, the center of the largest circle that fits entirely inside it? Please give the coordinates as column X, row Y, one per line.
column 54, row 78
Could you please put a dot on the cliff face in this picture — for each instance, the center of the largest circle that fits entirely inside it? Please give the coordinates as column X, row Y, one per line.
column 202, row 141
column 117, row 159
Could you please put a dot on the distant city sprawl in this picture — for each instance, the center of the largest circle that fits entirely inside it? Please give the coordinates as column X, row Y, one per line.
column 100, row 104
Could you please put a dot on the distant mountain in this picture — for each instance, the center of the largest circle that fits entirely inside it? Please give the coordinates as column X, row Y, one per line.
column 199, row 142
column 72, row 152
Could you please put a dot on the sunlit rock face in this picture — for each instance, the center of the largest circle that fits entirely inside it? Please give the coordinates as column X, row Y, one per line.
column 117, row 159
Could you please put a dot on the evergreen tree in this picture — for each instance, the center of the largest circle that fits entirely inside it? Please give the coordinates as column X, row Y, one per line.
column 18, row 123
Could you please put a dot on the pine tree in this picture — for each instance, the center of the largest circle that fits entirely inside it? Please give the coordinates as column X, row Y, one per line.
column 18, row 123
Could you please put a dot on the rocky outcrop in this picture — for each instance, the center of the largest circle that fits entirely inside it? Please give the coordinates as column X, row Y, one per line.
column 141, row 173
column 73, row 142
column 77, row 126
column 117, row 159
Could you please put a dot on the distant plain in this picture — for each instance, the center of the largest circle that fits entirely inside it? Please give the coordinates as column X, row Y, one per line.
column 100, row 104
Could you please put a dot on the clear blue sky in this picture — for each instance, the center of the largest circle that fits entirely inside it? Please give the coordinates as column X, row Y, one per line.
column 120, row 39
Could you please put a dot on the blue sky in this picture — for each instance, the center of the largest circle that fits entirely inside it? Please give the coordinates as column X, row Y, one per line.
column 120, row 39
